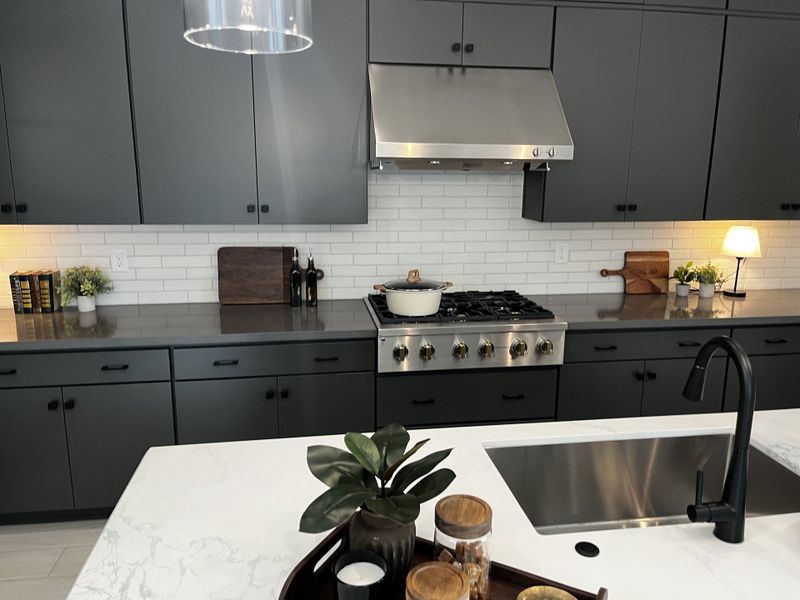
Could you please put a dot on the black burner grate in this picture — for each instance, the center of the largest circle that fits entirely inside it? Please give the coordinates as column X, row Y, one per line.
column 469, row 307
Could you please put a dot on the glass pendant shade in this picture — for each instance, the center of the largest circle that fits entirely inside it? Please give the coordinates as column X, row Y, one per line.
column 249, row 26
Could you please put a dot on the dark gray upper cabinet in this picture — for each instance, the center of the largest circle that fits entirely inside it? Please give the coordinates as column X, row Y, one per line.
column 7, row 214
column 312, row 115
column 507, row 35
column 68, row 111
column 414, row 31
column 786, row 6
column 594, row 64
column 758, row 122
column 676, row 97
column 690, row 3
column 194, row 122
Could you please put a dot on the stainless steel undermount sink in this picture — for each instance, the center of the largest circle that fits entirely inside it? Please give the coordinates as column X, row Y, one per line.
column 589, row 486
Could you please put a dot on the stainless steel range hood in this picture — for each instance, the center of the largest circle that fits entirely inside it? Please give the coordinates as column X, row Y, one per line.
column 466, row 118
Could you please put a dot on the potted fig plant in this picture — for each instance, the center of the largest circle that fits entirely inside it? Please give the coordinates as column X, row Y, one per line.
column 84, row 283
column 708, row 276
column 684, row 275
column 375, row 484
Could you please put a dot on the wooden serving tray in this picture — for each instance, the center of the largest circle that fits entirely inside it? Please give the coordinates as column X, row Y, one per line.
column 313, row 577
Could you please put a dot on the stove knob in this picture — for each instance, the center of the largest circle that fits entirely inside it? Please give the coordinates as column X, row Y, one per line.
column 518, row 348
column 486, row 349
column 545, row 346
column 400, row 352
column 460, row 350
column 427, row 352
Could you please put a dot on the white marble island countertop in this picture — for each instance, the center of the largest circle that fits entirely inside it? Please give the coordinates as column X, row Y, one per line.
column 219, row 521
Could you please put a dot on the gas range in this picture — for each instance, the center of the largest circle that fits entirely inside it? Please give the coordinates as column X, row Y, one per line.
column 471, row 330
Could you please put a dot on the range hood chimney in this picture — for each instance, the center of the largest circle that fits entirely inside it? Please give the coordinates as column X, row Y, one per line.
column 466, row 118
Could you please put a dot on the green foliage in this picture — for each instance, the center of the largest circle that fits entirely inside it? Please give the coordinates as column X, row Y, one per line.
column 361, row 478
column 708, row 273
column 83, row 281
column 684, row 273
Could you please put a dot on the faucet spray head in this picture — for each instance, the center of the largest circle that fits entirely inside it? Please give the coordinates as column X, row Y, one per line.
column 695, row 385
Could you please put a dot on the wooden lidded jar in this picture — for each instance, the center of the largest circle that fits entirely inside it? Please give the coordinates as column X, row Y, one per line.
column 436, row 581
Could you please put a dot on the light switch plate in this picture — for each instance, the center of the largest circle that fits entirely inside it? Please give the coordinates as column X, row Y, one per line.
column 119, row 260
column 562, row 253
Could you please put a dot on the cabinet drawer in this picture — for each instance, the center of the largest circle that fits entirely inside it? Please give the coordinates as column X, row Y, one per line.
column 456, row 398
column 634, row 345
column 119, row 366
column 769, row 340
column 278, row 359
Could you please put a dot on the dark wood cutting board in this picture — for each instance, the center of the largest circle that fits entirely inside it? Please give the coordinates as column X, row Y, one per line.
column 645, row 272
column 254, row 275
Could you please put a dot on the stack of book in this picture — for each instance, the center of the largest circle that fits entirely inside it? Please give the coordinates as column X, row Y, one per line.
column 35, row 291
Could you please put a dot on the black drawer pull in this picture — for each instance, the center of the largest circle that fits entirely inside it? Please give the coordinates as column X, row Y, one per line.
column 226, row 363
column 326, row 358
column 786, row 206
column 22, row 208
column 652, row 375
column 513, row 396
column 639, row 375
column 8, row 372
column 456, row 47
column 284, row 393
column 270, row 394
column 6, row 208
column 608, row 348
column 795, row 206
column 427, row 401
column 469, row 48
column 52, row 405
column 69, row 404
column 775, row 341
column 689, row 344
column 622, row 207
column 114, row 368
column 633, row 207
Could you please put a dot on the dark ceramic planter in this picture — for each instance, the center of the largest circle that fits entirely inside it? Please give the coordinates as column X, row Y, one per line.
column 395, row 543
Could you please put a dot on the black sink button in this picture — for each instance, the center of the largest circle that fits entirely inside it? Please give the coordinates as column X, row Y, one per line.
column 587, row 549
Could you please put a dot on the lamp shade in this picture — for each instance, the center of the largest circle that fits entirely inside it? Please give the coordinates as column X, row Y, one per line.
column 742, row 242
column 248, row 26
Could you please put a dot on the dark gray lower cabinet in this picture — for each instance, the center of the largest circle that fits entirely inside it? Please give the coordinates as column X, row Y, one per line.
column 663, row 388
column 226, row 410
column 777, row 383
column 600, row 390
column 453, row 398
column 109, row 429
column 323, row 404
column 34, row 472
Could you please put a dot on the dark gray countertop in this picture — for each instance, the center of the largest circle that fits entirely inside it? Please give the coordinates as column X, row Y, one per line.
column 183, row 325
column 596, row 312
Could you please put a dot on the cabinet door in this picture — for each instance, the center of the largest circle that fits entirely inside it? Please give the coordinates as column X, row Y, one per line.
column 600, row 390
column 787, row 6
column 777, row 385
column 226, row 410
column 34, row 473
column 109, row 428
column 758, row 122
column 311, row 123
column 7, row 214
column 414, row 31
column 194, row 122
column 690, row 3
column 594, row 64
column 65, row 79
column 663, row 387
column 507, row 35
column 324, row 404
column 676, row 98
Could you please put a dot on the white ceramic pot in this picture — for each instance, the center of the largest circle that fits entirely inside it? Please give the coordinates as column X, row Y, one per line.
column 707, row 290
column 682, row 290
column 413, row 296
column 86, row 303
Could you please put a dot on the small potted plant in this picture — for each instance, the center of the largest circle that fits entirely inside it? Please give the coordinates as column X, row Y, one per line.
column 370, row 482
column 708, row 275
column 84, row 283
column 684, row 275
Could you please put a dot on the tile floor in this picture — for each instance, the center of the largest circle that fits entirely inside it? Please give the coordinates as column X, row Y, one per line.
column 41, row 561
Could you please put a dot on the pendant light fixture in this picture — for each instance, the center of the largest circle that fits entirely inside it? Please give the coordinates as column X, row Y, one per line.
column 249, row 26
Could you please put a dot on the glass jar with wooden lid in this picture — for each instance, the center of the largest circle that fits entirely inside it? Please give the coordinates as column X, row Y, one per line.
column 461, row 538
column 437, row 581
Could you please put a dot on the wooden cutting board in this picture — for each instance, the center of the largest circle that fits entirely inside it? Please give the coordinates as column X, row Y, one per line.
column 645, row 272
column 253, row 275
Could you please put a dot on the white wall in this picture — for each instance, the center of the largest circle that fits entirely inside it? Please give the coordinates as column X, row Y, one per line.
column 456, row 226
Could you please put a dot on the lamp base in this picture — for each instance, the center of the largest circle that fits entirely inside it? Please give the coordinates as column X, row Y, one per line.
column 734, row 294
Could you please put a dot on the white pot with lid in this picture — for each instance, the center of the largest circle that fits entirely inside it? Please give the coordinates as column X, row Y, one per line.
column 413, row 296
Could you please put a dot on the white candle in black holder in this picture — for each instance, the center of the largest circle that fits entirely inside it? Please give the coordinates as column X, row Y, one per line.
column 359, row 575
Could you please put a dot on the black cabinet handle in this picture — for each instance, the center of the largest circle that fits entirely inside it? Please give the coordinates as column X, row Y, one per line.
column 651, row 375
column 610, row 347
column 22, row 208
column 6, row 208
column 795, row 206
column 633, row 207
column 114, row 368
column 689, row 344
column 513, row 396
column 52, row 405
column 456, row 47
column 251, row 208
column 786, row 206
column 639, row 375
column 776, row 341
column 69, row 404
column 265, row 208
column 8, row 372
column 270, row 394
column 622, row 207
column 469, row 48
column 326, row 358
column 426, row 401
column 226, row 363
column 284, row 393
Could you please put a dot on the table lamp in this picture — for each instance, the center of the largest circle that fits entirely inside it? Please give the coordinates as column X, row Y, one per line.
column 740, row 242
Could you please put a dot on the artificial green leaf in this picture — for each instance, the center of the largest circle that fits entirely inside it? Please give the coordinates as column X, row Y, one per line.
column 333, row 507
column 410, row 473
column 391, row 470
column 365, row 451
column 333, row 465
column 401, row 509
column 432, row 485
column 394, row 438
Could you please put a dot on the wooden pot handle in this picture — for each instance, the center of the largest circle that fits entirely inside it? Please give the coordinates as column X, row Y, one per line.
column 447, row 284
column 380, row 287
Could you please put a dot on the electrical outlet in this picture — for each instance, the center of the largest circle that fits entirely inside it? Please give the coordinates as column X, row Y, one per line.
column 119, row 260
column 562, row 253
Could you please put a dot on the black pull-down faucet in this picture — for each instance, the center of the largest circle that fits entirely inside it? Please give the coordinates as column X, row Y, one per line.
column 727, row 514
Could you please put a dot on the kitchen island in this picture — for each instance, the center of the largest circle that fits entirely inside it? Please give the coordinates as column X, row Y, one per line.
column 219, row 521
